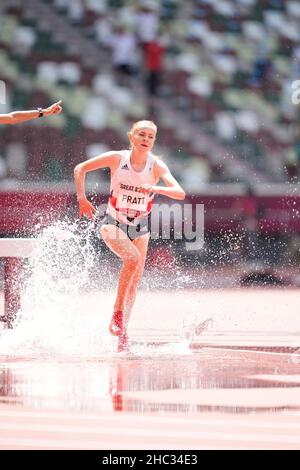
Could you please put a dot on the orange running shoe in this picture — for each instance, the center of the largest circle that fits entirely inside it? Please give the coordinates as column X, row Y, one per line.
column 116, row 324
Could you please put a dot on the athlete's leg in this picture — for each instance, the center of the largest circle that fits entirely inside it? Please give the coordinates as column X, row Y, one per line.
column 141, row 243
column 124, row 248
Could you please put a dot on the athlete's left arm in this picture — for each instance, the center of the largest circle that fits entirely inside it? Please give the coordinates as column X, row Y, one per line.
column 16, row 117
column 172, row 188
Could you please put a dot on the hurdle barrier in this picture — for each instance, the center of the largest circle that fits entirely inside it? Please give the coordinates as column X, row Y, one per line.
column 13, row 251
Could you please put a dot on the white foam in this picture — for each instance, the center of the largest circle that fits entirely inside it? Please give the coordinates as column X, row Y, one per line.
column 54, row 318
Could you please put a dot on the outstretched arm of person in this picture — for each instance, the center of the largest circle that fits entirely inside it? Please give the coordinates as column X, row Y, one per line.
column 17, row 117
column 107, row 159
column 172, row 188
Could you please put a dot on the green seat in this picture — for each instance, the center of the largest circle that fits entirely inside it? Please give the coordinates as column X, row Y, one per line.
column 8, row 27
column 20, row 99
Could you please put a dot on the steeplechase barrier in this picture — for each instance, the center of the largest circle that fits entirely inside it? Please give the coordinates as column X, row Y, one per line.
column 13, row 251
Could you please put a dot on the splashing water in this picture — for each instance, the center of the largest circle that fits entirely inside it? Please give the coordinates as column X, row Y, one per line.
column 55, row 317
column 62, row 314
column 192, row 328
column 180, row 348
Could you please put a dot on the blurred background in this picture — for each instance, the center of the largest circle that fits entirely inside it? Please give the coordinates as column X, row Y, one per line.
column 215, row 75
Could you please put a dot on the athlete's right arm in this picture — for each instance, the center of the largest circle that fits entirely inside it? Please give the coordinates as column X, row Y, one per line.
column 107, row 159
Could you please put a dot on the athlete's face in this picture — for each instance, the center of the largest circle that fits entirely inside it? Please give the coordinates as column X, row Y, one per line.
column 143, row 138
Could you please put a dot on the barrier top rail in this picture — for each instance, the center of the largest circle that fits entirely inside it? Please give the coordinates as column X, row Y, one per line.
column 17, row 247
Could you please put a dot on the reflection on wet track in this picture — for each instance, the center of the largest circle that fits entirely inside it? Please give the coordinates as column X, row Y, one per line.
column 192, row 400
column 141, row 384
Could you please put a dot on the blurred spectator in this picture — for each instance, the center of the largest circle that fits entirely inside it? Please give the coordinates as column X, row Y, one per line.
column 103, row 30
column 24, row 40
column 48, row 70
column 153, row 56
column 61, row 5
column 261, row 70
column 225, row 126
column 124, row 53
column 95, row 112
column 76, row 11
column 70, row 73
column 147, row 21
column 247, row 121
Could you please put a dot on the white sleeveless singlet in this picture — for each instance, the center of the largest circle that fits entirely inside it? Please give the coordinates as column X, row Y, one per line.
column 127, row 203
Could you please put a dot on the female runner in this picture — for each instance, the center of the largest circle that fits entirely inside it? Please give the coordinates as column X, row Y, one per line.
column 125, row 228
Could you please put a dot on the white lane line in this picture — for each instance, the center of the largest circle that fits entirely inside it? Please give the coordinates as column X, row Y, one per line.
column 185, row 420
column 150, row 433
column 95, row 445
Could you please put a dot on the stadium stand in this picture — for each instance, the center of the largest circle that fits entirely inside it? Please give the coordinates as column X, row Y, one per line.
column 224, row 78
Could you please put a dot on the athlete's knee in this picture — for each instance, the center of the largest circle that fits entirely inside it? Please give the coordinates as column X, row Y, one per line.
column 133, row 261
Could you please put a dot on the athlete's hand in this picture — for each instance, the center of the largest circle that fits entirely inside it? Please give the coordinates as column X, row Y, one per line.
column 86, row 208
column 147, row 188
column 53, row 109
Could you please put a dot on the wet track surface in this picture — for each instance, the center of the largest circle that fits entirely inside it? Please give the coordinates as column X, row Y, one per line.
column 226, row 388
column 215, row 398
